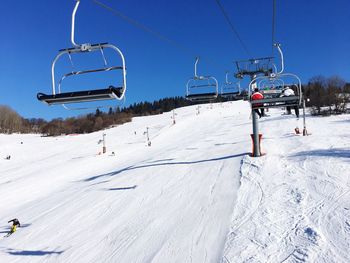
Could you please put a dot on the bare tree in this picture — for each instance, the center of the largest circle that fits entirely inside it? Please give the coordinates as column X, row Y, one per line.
column 316, row 92
column 334, row 99
column 10, row 121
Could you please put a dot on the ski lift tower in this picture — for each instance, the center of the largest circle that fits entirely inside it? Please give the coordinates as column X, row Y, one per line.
column 253, row 68
column 103, row 141
column 147, row 136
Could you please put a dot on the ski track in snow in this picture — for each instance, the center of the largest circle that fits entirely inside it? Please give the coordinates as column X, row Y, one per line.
column 299, row 224
column 194, row 196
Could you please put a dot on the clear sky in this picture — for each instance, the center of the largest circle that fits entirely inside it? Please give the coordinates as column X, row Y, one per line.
column 315, row 37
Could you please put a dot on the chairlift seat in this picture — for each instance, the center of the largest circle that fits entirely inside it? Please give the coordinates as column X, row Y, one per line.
column 203, row 86
column 229, row 94
column 81, row 96
column 202, row 96
column 276, row 102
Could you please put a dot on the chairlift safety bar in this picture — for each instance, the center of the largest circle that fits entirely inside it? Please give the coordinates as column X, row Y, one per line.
column 92, row 48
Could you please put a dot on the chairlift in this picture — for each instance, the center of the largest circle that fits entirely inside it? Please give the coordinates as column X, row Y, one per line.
column 111, row 92
column 253, row 67
column 229, row 89
column 201, row 88
column 284, row 80
column 277, row 101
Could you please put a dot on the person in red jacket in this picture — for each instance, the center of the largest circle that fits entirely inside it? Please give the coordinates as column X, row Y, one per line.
column 258, row 96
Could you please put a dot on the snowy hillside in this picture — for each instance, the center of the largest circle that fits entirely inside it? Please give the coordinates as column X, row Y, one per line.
column 195, row 195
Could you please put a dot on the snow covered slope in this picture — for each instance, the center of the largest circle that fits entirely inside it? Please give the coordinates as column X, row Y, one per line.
column 195, row 195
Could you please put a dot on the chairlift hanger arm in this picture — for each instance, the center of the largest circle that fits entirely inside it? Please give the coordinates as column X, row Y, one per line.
column 278, row 46
column 85, row 46
column 200, row 77
column 73, row 24
column 226, row 78
column 195, row 68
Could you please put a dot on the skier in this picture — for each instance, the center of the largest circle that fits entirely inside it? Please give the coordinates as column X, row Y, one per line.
column 258, row 96
column 13, row 229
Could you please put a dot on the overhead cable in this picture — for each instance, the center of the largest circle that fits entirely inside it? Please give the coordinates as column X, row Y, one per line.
column 273, row 25
column 232, row 27
column 149, row 30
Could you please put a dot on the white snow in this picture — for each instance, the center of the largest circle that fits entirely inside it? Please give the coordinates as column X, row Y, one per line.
column 195, row 195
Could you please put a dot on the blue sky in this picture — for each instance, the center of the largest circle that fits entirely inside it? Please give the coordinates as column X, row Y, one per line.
column 315, row 37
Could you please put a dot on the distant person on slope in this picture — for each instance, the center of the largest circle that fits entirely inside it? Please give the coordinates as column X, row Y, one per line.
column 286, row 93
column 258, row 96
column 13, row 229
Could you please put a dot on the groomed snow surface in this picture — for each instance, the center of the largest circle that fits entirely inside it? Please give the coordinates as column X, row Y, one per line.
column 195, row 195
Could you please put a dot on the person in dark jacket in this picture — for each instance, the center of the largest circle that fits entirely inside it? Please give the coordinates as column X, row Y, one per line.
column 15, row 224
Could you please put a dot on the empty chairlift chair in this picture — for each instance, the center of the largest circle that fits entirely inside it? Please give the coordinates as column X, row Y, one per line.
column 112, row 91
column 201, row 88
column 230, row 89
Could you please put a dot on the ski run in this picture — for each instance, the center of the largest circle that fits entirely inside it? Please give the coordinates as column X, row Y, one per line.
column 194, row 195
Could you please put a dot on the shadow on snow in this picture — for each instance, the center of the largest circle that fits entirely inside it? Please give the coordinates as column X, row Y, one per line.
column 154, row 164
column 32, row 252
column 121, row 188
column 335, row 152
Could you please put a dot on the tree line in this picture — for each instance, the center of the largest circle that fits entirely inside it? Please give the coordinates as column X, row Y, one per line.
column 12, row 122
column 326, row 96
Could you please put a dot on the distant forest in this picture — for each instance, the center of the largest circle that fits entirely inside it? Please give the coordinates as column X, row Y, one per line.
column 12, row 122
column 326, row 96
